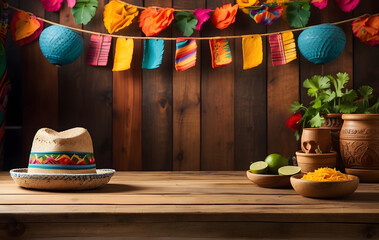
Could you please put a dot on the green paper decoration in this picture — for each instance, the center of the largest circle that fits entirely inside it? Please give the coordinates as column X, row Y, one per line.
column 84, row 10
column 298, row 13
column 185, row 22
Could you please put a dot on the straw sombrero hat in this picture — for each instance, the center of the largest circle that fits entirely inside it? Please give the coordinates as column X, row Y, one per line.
column 62, row 161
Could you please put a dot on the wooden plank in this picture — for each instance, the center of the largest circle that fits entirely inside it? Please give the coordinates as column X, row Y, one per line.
column 249, row 101
column 219, row 230
column 366, row 66
column 89, row 104
column 217, row 110
column 40, row 88
column 186, row 106
column 282, row 90
column 157, row 107
column 127, row 107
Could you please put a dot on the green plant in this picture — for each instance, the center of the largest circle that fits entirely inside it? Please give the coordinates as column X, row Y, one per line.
column 329, row 96
column 363, row 104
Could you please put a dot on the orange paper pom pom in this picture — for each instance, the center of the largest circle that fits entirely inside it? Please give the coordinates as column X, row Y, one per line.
column 153, row 21
column 224, row 16
column 117, row 15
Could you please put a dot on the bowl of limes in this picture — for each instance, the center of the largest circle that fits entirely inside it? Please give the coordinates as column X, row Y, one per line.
column 273, row 172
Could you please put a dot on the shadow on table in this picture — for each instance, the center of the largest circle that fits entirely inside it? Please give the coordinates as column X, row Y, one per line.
column 109, row 188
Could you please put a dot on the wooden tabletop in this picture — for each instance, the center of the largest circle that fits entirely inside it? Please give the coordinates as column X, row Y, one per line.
column 184, row 205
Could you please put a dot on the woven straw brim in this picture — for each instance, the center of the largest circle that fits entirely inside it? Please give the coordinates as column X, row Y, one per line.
column 61, row 181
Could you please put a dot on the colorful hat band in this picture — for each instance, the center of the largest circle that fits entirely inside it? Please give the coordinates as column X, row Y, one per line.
column 62, row 160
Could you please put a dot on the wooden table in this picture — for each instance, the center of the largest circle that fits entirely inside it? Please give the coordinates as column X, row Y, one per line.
column 184, row 205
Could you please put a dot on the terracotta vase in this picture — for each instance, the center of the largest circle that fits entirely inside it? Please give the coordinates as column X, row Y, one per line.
column 315, row 139
column 308, row 162
column 359, row 141
column 333, row 122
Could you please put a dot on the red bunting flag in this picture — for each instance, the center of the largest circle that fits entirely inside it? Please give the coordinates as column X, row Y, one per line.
column 99, row 50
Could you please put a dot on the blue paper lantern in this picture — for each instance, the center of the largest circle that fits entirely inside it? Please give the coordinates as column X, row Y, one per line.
column 322, row 43
column 60, row 45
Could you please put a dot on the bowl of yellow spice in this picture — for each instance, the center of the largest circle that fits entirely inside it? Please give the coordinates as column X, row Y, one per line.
column 324, row 183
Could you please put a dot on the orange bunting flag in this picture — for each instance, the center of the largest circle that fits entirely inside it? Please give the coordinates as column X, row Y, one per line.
column 283, row 48
column 117, row 15
column 224, row 16
column 123, row 55
column 25, row 27
column 153, row 21
column 220, row 51
column 252, row 51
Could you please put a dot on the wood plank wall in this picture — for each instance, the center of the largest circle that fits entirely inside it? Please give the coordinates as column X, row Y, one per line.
column 200, row 119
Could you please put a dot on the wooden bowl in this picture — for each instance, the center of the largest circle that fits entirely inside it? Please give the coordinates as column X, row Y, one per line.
column 364, row 175
column 318, row 189
column 269, row 180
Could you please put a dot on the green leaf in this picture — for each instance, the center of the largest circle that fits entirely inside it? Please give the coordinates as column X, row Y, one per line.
column 296, row 106
column 84, row 10
column 315, row 84
column 347, row 108
column 339, row 83
column 350, row 95
column 317, row 120
column 317, row 103
column 374, row 108
column 298, row 13
column 365, row 92
column 185, row 22
column 328, row 95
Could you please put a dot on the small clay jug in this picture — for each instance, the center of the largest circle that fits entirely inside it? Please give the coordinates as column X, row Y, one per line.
column 314, row 140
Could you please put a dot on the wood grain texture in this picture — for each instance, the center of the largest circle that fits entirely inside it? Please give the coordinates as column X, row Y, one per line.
column 86, row 93
column 249, row 100
column 217, row 99
column 366, row 65
column 40, row 88
column 185, row 204
column 157, row 107
column 186, row 106
column 127, row 107
column 282, row 90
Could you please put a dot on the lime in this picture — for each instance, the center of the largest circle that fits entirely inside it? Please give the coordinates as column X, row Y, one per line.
column 275, row 161
column 259, row 167
column 289, row 170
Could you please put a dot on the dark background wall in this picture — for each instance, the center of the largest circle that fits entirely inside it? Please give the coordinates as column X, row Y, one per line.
column 199, row 119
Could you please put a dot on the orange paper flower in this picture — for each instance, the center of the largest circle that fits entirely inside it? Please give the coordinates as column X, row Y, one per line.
column 117, row 15
column 153, row 21
column 224, row 16
column 25, row 26
column 367, row 30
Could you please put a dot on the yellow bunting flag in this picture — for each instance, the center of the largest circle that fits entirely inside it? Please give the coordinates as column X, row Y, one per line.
column 118, row 15
column 123, row 55
column 283, row 48
column 252, row 51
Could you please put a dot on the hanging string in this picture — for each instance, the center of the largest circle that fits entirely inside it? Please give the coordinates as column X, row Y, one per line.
column 175, row 38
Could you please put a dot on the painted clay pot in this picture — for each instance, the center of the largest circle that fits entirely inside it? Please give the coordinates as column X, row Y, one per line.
column 359, row 141
column 308, row 162
column 333, row 122
column 315, row 139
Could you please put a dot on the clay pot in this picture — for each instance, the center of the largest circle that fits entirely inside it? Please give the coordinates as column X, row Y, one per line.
column 314, row 139
column 333, row 122
column 308, row 162
column 359, row 141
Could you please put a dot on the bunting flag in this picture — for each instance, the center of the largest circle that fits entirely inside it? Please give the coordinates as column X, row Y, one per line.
column 224, row 16
column 154, row 21
column 152, row 53
column 123, row 54
column 267, row 13
column 220, row 52
column 55, row 5
column 367, row 30
column 185, row 56
column 283, row 48
column 117, row 15
column 244, row 4
column 252, row 51
column 25, row 28
column 202, row 16
column 98, row 51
